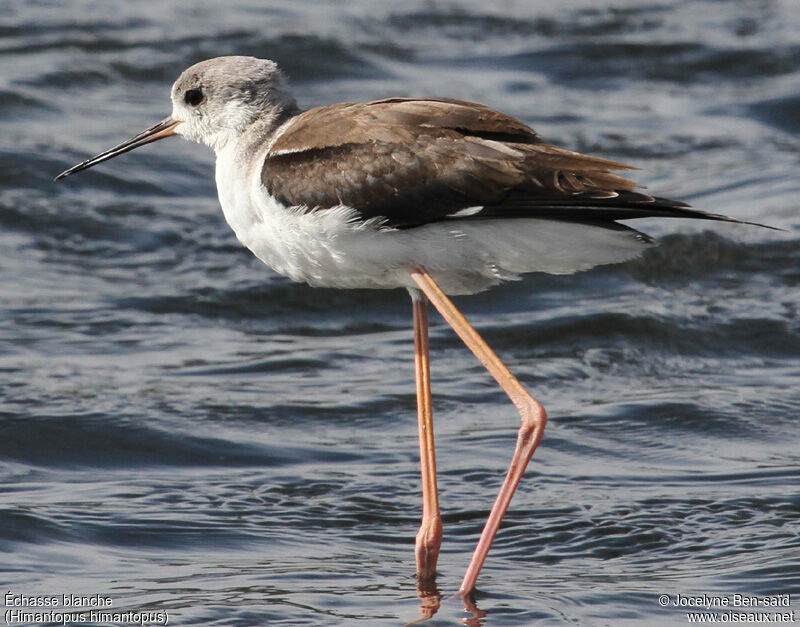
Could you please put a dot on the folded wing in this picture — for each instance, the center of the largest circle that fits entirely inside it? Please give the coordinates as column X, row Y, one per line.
column 410, row 162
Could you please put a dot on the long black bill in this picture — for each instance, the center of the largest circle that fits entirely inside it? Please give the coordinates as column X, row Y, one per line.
column 164, row 128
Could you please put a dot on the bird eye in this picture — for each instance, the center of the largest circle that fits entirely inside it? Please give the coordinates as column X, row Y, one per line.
column 193, row 97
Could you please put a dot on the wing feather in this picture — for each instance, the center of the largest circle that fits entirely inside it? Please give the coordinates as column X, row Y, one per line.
column 409, row 162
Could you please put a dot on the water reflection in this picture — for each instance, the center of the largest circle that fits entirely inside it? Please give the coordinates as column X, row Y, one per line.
column 431, row 602
column 471, row 606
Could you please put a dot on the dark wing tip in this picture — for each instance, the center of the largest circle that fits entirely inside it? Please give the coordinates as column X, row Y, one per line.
column 724, row 218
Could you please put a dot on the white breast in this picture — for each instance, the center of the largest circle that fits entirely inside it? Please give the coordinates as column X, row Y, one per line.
column 318, row 247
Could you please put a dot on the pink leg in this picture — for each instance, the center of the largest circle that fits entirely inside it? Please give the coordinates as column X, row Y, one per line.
column 531, row 411
column 429, row 537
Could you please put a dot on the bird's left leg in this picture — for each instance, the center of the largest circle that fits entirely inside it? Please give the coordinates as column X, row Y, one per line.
column 429, row 537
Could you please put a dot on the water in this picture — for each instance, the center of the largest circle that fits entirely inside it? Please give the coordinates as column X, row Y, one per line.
column 183, row 431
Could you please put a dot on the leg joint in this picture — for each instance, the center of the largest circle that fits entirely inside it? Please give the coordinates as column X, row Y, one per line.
column 532, row 413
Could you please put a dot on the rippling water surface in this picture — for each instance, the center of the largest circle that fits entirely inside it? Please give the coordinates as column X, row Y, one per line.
column 184, row 431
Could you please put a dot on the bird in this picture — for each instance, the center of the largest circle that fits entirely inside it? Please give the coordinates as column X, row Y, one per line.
column 438, row 196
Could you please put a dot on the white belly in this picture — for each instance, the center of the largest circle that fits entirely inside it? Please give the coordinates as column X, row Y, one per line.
column 327, row 248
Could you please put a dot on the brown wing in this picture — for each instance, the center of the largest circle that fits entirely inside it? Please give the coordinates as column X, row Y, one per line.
column 397, row 120
column 414, row 161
